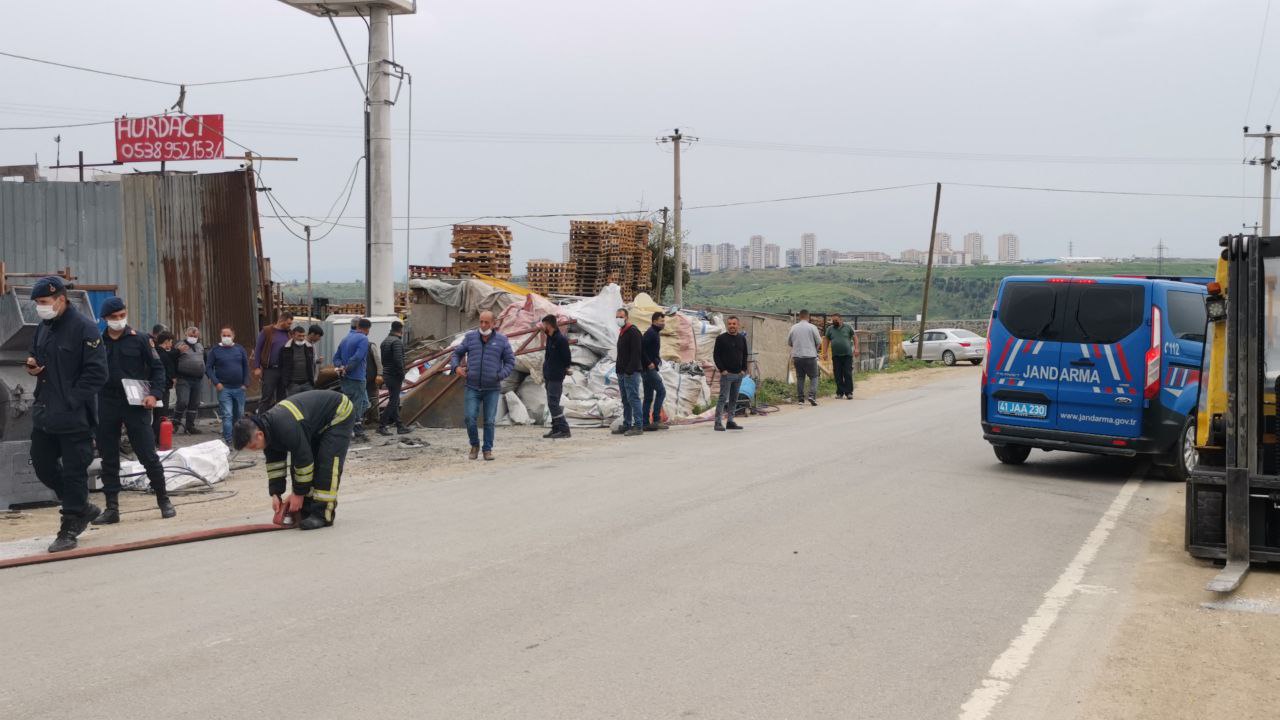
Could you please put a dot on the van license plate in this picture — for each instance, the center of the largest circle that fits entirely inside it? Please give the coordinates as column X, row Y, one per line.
column 1021, row 409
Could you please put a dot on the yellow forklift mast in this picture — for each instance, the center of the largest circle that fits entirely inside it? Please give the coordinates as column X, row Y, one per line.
column 1233, row 495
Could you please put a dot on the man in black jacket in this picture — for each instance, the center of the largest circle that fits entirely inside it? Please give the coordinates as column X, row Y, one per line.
column 393, row 372
column 70, row 366
column 556, row 359
column 655, row 393
column 313, row 431
column 163, row 342
column 129, row 357
column 298, row 363
column 628, row 369
column 730, row 356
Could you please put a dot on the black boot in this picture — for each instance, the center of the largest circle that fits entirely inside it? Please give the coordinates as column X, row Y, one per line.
column 403, row 429
column 66, row 539
column 384, row 430
column 166, row 508
column 111, row 515
column 191, row 424
column 314, row 520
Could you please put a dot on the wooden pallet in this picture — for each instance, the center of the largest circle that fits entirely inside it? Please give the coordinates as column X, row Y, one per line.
column 482, row 249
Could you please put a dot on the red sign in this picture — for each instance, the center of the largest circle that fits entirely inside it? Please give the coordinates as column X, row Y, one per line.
column 169, row 137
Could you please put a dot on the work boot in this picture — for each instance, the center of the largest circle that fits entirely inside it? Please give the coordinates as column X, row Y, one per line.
column 719, row 427
column 166, row 508
column 551, row 434
column 661, row 426
column 384, row 430
column 314, row 519
column 111, row 515
column 66, row 539
column 620, row 430
column 475, row 453
column 635, row 431
column 488, row 454
column 651, row 428
column 732, row 426
column 403, row 429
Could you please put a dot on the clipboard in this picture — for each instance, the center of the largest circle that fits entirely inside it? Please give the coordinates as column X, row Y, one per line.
column 136, row 391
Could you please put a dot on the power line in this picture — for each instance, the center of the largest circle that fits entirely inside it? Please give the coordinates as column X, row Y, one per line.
column 807, row 197
column 1083, row 191
column 154, row 81
column 1257, row 61
column 59, row 127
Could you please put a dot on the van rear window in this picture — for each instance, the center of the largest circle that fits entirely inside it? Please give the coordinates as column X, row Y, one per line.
column 1104, row 314
column 1187, row 315
column 1029, row 310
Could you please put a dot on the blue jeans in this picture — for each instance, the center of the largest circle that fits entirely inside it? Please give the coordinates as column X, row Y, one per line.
column 358, row 393
column 471, row 409
column 231, row 408
column 630, row 386
column 655, row 394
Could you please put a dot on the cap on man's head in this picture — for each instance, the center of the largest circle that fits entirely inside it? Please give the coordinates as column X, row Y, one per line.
column 111, row 306
column 47, row 286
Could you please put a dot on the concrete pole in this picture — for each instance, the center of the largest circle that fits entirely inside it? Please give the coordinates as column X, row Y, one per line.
column 381, row 271
column 678, row 262
column 311, row 300
column 1268, row 161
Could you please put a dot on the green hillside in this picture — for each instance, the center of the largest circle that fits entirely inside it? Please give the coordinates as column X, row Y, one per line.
column 889, row 289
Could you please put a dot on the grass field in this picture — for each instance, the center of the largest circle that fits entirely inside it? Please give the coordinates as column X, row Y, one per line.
column 883, row 288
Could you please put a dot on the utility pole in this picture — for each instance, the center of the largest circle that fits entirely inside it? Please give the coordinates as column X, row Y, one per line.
column 676, row 139
column 1071, row 248
column 311, row 301
column 1268, row 162
column 928, row 271
column 1160, row 248
column 379, row 256
column 662, row 253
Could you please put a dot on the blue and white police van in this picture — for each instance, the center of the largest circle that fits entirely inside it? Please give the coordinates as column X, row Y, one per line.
column 1103, row 365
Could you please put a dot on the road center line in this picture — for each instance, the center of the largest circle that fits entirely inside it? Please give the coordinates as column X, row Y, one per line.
column 1006, row 668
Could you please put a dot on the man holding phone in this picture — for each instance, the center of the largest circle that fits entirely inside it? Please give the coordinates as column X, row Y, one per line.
column 70, row 366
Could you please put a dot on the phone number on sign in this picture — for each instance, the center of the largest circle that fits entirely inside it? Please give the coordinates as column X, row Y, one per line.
column 171, row 150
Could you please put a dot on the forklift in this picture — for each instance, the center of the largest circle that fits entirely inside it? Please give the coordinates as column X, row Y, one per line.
column 1233, row 494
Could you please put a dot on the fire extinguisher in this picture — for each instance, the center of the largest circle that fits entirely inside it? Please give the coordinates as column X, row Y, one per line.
column 166, row 434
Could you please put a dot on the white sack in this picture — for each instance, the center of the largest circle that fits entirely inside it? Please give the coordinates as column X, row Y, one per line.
column 208, row 459
column 516, row 410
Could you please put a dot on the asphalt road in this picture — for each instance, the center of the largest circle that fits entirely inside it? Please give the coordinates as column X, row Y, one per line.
column 864, row 559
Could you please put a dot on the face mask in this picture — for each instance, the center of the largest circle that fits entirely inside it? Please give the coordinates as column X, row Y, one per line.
column 485, row 333
column 226, row 341
column 46, row 312
column 117, row 324
column 192, row 340
column 622, row 322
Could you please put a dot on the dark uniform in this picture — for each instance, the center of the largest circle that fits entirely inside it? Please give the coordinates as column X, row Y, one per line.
column 130, row 357
column 314, row 429
column 65, row 410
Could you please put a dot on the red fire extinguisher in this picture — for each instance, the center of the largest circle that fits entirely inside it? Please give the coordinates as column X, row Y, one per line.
column 166, row 434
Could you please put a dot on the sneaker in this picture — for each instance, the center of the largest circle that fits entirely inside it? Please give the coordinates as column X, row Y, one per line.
column 384, row 430
column 633, row 432
column 800, row 402
column 563, row 434
column 733, row 426
column 813, row 402
column 475, row 453
column 848, row 396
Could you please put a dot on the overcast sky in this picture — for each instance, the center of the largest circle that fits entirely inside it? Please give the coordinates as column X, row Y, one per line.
column 1161, row 81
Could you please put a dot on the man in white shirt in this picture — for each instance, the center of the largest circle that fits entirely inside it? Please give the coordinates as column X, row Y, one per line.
column 804, row 341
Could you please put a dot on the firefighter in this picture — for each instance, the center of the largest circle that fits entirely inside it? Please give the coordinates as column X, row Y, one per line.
column 313, row 429
column 130, row 356
column 70, row 367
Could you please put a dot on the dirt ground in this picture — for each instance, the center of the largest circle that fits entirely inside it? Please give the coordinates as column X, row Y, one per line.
column 1174, row 658
column 376, row 467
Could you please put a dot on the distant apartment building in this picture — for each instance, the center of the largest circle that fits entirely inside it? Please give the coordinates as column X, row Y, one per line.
column 744, row 257
column 808, row 250
column 793, row 257
column 827, row 257
column 757, row 252
column 952, row 257
column 864, row 256
column 564, row 251
column 707, row 258
column 1007, row 248
column 726, row 257
column 772, row 256
column 942, row 241
column 919, row 257
column 973, row 248
column 688, row 258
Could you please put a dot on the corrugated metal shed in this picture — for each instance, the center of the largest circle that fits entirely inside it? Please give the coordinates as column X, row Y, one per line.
column 183, row 249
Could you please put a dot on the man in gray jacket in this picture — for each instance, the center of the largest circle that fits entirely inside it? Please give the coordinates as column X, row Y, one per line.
column 804, row 341
column 190, row 379
column 393, row 372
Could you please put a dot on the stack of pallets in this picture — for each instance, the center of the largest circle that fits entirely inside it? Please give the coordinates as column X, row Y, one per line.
column 634, row 242
column 482, row 249
column 587, row 251
column 546, row 277
column 610, row 252
column 427, row 272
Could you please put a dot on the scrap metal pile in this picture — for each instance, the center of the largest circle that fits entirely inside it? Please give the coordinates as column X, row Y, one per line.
column 591, row 393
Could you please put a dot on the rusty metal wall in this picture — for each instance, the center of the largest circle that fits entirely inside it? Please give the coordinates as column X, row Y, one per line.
column 46, row 226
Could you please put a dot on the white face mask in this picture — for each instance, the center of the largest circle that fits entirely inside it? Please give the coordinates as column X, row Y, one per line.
column 226, row 341
column 192, row 340
column 622, row 322
column 118, row 325
column 46, row 312
column 485, row 333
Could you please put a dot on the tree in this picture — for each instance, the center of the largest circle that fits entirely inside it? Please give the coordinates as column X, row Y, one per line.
column 667, row 248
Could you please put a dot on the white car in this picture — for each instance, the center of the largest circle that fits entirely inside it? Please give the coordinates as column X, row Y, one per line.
column 950, row 345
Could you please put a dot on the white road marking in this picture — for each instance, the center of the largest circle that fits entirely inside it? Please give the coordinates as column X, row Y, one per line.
column 1006, row 668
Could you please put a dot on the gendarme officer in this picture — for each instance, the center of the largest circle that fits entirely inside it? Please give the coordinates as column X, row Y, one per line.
column 130, row 356
column 70, row 367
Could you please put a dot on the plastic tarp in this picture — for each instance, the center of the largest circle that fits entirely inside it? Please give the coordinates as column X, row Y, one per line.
column 468, row 295
column 595, row 328
column 678, row 341
column 208, row 460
